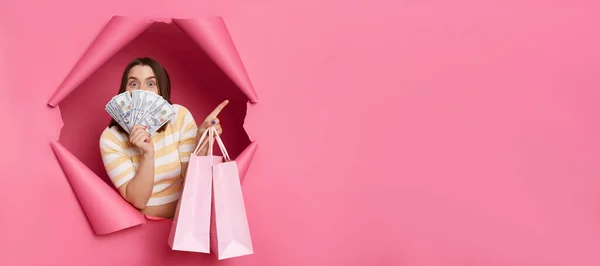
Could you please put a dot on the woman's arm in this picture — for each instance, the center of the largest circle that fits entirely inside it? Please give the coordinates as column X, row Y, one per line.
column 134, row 186
column 138, row 190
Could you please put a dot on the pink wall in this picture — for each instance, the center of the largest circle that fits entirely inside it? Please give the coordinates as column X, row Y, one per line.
column 413, row 133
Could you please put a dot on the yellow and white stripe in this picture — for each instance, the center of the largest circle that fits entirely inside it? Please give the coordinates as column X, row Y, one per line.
column 172, row 147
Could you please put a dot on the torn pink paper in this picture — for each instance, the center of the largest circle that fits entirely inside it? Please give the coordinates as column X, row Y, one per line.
column 116, row 34
column 104, row 208
column 245, row 158
column 212, row 36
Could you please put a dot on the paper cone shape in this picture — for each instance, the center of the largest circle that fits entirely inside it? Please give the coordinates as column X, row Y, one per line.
column 245, row 158
column 105, row 209
column 116, row 34
column 212, row 36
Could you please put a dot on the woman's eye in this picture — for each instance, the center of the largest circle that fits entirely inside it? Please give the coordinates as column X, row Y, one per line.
column 150, row 83
column 133, row 84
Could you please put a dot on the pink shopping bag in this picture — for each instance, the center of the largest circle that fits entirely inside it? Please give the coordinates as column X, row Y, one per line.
column 230, row 233
column 190, row 230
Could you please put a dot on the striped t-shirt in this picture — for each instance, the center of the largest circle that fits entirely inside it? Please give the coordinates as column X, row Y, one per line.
column 172, row 147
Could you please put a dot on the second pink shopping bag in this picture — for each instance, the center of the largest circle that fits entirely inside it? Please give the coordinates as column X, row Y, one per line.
column 230, row 233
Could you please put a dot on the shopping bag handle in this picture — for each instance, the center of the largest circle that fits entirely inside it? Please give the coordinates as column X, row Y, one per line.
column 212, row 134
column 200, row 145
column 221, row 145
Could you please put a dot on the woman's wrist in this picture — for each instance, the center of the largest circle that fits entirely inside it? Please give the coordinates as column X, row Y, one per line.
column 148, row 154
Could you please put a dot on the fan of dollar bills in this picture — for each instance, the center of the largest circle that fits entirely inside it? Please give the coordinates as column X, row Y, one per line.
column 140, row 108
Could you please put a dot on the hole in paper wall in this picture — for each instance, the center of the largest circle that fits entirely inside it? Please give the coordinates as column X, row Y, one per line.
column 196, row 83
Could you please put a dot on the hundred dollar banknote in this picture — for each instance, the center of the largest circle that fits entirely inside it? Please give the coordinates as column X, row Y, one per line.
column 159, row 117
column 140, row 107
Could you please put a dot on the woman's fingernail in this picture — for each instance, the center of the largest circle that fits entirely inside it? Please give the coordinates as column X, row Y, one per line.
column 213, row 122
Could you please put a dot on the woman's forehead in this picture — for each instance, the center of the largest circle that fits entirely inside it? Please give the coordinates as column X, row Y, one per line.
column 141, row 72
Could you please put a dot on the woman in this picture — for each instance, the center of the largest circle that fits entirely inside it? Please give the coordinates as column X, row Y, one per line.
column 148, row 170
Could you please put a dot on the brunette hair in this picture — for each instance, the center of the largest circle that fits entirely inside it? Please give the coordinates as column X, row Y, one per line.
column 162, row 80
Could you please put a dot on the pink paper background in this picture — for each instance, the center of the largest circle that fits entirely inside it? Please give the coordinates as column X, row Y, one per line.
column 455, row 133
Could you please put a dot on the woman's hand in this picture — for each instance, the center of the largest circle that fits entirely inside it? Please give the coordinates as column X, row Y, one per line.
column 140, row 138
column 213, row 120
column 210, row 121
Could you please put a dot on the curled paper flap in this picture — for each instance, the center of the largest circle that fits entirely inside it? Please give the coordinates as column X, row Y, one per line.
column 212, row 36
column 245, row 158
column 104, row 208
column 116, row 34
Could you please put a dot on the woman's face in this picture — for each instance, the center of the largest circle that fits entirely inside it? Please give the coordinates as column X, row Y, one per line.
column 141, row 78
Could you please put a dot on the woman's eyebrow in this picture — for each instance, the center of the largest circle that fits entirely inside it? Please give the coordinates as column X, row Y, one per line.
column 152, row 77
column 132, row 78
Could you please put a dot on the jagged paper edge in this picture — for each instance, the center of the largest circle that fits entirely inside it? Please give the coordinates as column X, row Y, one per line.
column 105, row 209
column 117, row 33
column 212, row 35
